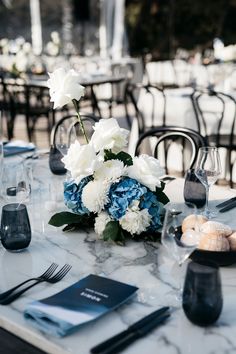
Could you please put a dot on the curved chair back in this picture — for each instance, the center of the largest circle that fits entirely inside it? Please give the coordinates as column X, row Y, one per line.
column 171, row 134
column 148, row 103
column 68, row 123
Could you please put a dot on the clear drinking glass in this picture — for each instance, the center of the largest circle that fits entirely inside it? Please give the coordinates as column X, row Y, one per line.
column 208, row 170
column 65, row 136
column 16, row 183
column 179, row 246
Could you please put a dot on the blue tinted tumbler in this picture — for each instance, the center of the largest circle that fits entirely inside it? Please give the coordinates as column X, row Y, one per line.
column 15, row 227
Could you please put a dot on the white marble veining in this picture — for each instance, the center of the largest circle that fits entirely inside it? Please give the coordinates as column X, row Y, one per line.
column 145, row 265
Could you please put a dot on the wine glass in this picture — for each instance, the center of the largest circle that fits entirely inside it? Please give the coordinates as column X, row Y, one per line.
column 208, row 170
column 180, row 240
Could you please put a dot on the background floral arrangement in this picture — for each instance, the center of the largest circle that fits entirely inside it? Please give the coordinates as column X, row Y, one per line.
column 120, row 195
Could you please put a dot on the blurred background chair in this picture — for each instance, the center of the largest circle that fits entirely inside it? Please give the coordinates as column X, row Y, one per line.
column 146, row 104
column 216, row 115
column 31, row 101
column 160, row 141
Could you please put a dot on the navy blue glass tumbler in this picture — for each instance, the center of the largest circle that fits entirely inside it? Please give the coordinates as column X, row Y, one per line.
column 202, row 294
column 15, row 227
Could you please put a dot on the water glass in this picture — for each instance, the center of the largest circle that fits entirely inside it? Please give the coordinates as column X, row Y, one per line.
column 15, row 227
column 16, row 183
column 202, row 294
column 194, row 191
column 172, row 233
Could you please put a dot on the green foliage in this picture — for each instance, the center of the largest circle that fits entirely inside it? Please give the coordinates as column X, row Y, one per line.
column 71, row 220
column 122, row 156
column 114, row 232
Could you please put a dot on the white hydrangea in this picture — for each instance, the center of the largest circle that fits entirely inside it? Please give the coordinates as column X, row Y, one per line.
column 146, row 170
column 81, row 161
column 100, row 222
column 135, row 220
column 95, row 195
column 108, row 135
column 111, row 171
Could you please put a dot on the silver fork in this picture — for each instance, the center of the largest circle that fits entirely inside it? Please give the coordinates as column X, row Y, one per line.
column 42, row 277
column 56, row 278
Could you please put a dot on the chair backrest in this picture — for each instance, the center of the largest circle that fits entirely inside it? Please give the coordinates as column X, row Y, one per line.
column 168, row 135
column 69, row 122
column 148, row 104
column 215, row 113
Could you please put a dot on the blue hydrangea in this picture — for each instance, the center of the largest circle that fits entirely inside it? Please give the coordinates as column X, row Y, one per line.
column 149, row 201
column 72, row 196
column 122, row 194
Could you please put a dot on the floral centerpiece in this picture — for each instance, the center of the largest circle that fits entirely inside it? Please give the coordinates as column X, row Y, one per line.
column 119, row 195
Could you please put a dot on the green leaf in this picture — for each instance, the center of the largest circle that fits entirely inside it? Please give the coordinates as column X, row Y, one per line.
column 113, row 232
column 122, row 156
column 109, row 155
column 65, row 217
column 161, row 196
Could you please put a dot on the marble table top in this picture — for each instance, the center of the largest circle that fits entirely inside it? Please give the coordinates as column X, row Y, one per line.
column 145, row 265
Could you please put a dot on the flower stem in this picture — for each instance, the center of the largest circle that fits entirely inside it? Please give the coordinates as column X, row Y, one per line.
column 75, row 102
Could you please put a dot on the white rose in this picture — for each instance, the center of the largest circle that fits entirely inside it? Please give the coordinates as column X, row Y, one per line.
column 108, row 135
column 64, row 87
column 110, row 170
column 135, row 221
column 100, row 222
column 81, row 161
column 95, row 195
column 146, row 170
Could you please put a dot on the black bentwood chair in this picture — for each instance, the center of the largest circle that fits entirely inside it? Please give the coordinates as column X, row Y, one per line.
column 189, row 140
column 216, row 114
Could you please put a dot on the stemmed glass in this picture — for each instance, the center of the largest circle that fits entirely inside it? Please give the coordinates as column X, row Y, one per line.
column 208, row 170
column 178, row 243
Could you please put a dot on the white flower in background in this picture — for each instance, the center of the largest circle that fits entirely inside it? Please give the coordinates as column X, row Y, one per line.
column 110, row 170
column 108, row 135
column 64, row 87
column 81, row 161
column 100, row 222
column 95, row 195
column 146, row 170
column 21, row 61
column 135, row 220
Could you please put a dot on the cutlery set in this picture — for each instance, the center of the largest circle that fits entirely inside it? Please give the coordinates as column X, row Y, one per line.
column 227, row 205
column 11, row 295
column 138, row 330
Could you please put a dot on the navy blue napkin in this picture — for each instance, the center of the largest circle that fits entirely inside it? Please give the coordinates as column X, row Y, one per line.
column 84, row 301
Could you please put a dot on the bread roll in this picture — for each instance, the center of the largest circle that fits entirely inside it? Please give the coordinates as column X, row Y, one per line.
column 190, row 222
column 191, row 237
column 213, row 242
column 232, row 241
column 216, row 228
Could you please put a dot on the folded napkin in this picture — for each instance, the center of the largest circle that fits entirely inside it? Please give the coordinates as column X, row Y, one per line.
column 17, row 147
column 84, row 301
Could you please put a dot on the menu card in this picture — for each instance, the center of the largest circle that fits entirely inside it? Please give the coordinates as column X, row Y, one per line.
column 84, row 301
